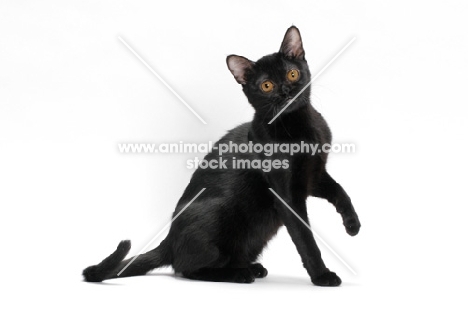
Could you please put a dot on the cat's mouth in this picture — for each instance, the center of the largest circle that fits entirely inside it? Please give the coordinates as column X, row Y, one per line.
column 290, row 103
column 284, row 102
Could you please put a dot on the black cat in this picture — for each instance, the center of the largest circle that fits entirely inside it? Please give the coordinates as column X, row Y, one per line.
column 221, row 234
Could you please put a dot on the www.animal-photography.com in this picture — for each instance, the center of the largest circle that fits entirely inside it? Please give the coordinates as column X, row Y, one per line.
column 210, row 155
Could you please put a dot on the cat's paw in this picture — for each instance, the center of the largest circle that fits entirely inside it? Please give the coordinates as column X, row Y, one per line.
column 244, row 276
column 352, row 224
column 327, row 279
column 258, row 270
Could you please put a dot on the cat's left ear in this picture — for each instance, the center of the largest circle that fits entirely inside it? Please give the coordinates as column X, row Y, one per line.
column 292, row 44
column 239, row 67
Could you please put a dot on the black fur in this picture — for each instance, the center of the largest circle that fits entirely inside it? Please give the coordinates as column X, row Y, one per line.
column 222, row 233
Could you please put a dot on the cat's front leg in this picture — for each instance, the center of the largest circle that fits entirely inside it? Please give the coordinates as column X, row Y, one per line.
column 327, row 188
column 302, row 237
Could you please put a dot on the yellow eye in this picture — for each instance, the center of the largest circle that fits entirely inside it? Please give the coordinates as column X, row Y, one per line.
column 293, row 75
column 267, row 86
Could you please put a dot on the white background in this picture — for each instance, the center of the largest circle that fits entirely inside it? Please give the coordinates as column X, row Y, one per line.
column 70, row 91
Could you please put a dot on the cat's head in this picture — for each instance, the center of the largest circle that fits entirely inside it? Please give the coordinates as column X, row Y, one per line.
column 272, row 81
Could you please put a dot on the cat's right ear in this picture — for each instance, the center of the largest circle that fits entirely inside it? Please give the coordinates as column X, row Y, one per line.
column 239, row 67
column 292, row 44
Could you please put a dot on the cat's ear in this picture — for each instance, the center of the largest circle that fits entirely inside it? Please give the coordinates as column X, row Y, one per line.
column 292, row 44
column 239, row 67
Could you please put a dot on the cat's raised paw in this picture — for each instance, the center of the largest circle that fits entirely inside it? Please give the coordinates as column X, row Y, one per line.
column 327, row 279
column 352, row 225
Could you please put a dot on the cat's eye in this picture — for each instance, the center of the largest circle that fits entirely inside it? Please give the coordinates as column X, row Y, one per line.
column 293, row 75
column 267, row 86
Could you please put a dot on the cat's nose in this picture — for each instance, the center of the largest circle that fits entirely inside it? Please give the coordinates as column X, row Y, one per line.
column 285, row 89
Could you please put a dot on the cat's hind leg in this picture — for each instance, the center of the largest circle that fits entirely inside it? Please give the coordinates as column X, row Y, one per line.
column 192, row 250
column 227, row 274
column 239, row 274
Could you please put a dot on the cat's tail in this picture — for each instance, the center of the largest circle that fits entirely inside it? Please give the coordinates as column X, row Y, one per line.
column 112, row 266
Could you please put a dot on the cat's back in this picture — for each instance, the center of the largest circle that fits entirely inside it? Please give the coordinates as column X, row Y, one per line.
column 239, row 134
column 227, row 179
